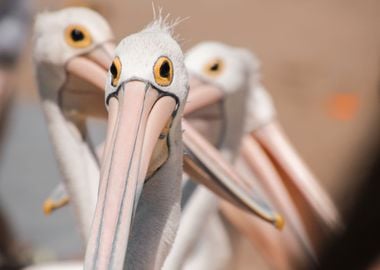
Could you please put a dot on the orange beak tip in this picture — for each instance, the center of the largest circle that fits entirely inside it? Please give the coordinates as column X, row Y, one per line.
column 279, row 222
column 48, row 207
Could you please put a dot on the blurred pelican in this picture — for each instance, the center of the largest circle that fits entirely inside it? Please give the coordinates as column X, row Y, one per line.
column 260, row 122
column 221, row 81
column 236, row 72
column 138, row 207
column 73, row 49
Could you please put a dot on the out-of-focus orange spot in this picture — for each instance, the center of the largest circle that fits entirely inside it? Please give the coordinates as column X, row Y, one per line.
column 343, row 106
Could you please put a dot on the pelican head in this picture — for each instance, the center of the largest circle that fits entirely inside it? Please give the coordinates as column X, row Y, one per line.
column 218, row 70
column 73, row 48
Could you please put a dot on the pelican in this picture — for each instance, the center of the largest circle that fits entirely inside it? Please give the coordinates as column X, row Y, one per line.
column 221, row 82
column 138, row 207
column 262, row 126
column 85, row 204
column 230, row 76
column 73, row 49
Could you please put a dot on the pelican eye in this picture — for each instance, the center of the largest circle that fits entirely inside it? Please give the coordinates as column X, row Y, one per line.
column 214, row 67
column 115, row 70
column 77, row 36
column 163, row 71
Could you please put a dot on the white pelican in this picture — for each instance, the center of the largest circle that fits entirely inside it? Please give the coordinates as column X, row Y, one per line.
column 138, row 206
column 72, row 52
column 235, row 72
column 225, row 78
column 221, row 80
column 261, row 123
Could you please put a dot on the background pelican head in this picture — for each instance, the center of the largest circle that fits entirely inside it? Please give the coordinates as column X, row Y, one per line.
column 72, row 49
column 223, row 65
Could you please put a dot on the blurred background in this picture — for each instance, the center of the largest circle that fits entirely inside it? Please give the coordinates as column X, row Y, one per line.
column 320, row 61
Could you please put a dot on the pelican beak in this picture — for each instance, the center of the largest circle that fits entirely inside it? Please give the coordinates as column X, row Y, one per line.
column 136, row 146
column 202, row 95
column 86, row 77
column 299, row 181
column 206, row 165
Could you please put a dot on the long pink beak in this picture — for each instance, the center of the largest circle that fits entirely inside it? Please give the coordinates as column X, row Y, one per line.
column 136, row 120
column 305, row 189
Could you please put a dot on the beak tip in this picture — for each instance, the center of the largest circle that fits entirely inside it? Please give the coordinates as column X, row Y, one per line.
column 48, row 207
column 279, row 222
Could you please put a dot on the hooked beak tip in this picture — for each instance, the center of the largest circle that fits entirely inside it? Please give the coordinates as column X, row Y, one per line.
column 279, row 222
column 50, row 205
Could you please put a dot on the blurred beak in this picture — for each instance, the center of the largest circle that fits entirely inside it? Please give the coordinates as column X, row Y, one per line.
column 83, row 90
column 205, row 164
column 201, row 95
column 135, row 148
column 56, row 200
column 300, row 182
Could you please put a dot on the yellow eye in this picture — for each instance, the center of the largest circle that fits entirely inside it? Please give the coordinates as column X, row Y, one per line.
column 214, row 67
column 163, row 71
column 115, row 70
column 77, row 36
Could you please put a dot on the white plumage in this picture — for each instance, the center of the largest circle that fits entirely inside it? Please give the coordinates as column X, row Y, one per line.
column 67, row 101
